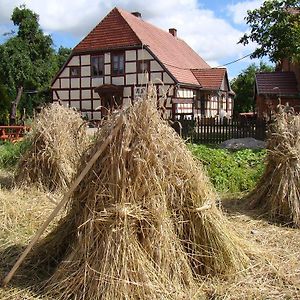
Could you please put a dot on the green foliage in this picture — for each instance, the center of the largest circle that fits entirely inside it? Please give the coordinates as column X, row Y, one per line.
column 11, row 152
column 275, row 27
column 29, row 60
column 4, row 105
column 232, row 172
column 243, row 86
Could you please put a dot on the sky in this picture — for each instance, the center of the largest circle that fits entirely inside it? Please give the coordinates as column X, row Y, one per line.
column 211, row 27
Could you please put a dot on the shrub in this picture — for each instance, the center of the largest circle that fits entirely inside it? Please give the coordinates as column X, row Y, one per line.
column 231, row 171
column 11, row 152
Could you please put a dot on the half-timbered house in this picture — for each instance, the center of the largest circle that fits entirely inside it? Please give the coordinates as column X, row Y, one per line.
column 115, row 62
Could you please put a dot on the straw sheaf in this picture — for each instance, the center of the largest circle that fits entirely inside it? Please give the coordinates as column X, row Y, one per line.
column 144, row 221
column 278, row 191
column 57, row 140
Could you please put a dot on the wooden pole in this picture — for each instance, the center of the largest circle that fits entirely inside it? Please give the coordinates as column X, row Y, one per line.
column 62, row 202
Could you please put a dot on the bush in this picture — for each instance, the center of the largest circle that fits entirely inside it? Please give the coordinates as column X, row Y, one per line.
column 11, row 152
column 231, row 171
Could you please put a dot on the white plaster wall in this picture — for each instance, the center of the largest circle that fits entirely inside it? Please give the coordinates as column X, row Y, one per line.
column 96, row 103
column 75, row 94
column 127, row 91
column 131, row 79
column 117, row 80
column 97, row 81
column 97, row 115
column 156, row 77
column 54, row 96
column 107, row 80
column 126, row 102
column 85, row 59
column 167, row 78
column 85, row 82
column 163, row 89
column 155, row 66
column 107, row 69
column 130, row 67
column 65, row 72
column 65, row 83
column 86, row 71
column 74, row 61
column 86, row 104
column 75, row 104
column 55, row 85
column 86, row 94
column 130, row 55
column 75, row 83
column 95, row 95
column 107, row 58
column 63, row 95
column 144, row 54
column 143, row 78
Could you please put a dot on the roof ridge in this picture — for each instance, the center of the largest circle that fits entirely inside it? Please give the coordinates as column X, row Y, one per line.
column 148, row 23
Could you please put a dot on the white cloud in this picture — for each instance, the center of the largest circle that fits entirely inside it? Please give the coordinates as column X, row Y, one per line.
column 238, row 11
column 214, row 38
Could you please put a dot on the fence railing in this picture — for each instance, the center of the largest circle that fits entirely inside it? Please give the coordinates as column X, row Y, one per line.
column 213, row 130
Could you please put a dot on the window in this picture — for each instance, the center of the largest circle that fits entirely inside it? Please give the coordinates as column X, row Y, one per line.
column 143, row 66
column 97, row 65
column 139, row 92
column 117, row 64
column 74, row 71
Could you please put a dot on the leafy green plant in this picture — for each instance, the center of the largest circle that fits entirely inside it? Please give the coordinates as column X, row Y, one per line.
column 11, row 152
column 231, row 171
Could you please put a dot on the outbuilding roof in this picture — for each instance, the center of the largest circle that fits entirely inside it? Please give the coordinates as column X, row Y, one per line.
column 210, row 79
column 277, row 83
column 121, row 29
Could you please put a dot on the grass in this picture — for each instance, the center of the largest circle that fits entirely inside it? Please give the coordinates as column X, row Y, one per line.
column 273, row 274
column 231, row 171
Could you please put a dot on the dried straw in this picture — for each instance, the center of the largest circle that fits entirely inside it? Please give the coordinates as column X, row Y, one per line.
column 278, row 191
column 57, row 140
column 142, row 222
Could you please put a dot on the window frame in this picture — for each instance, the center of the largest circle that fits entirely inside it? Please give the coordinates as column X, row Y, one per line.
column 139, row 69
column 118, row 54
column 78, row 73
column 92, row 65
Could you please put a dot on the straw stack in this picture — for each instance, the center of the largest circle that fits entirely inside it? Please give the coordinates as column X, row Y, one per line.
column 143, row 223
column 57, row 139
column 278, row 191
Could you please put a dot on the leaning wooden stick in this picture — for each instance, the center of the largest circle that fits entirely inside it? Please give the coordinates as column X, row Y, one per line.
column 62, row 202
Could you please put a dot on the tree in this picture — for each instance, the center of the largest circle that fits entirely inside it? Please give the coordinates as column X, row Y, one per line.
column 4, row 105
column 275, row 27
column 27, row 60
column 243, row 86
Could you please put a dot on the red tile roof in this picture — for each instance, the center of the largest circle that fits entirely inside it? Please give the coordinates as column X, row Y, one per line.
column 283, row 83
column 210, row 79
column 112, row 32
column 122, row 29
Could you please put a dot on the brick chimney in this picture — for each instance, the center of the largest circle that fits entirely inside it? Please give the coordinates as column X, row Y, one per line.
column 173, row 31
column 137, row 14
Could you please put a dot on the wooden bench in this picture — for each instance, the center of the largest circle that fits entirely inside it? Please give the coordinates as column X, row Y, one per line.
column 12, row 133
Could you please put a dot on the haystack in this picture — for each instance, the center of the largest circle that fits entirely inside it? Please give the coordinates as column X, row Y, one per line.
column 143, row 223
column 57, row 140
column 278, row 191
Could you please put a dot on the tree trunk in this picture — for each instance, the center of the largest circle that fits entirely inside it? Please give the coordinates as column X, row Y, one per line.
column 14, row 105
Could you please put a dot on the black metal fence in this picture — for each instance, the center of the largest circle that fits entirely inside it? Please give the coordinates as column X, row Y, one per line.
column 215, row 130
